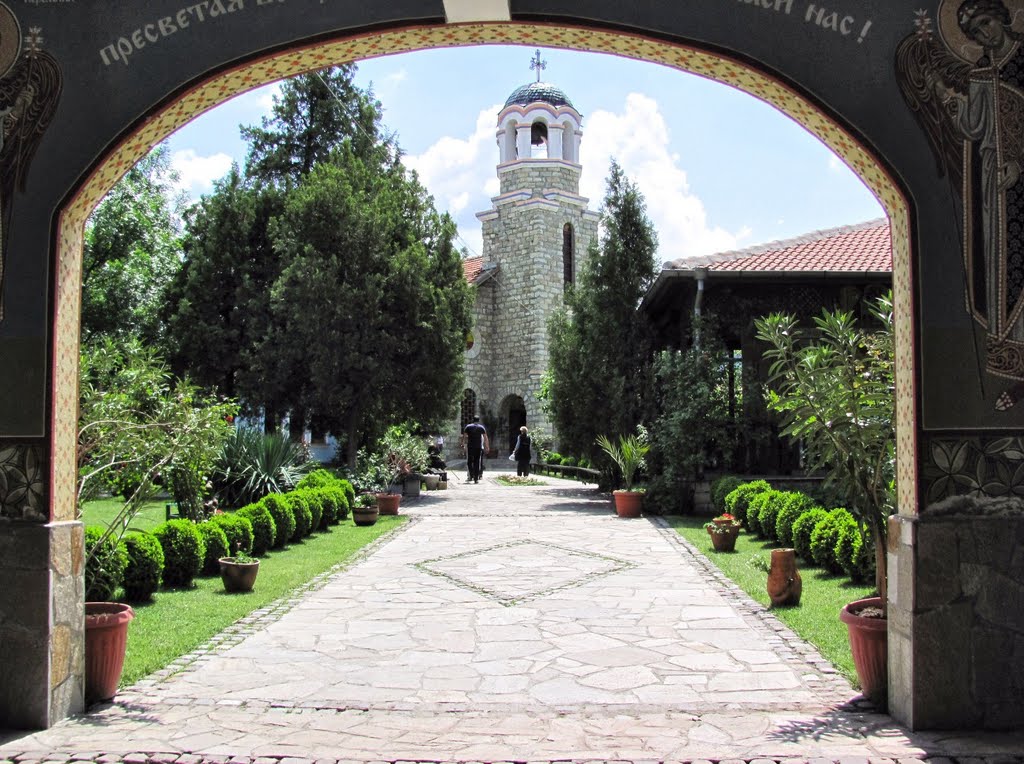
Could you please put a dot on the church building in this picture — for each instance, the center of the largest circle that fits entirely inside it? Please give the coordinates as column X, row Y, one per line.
column 535, row 238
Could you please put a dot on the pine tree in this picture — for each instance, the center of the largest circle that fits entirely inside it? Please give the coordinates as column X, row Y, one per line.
column 600, row 342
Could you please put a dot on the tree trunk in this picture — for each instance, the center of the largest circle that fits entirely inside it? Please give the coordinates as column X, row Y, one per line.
column 881, row 560
column 351, row 445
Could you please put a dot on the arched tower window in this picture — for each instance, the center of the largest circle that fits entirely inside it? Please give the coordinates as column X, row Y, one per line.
column 568, row 264
column 468, row 408
column 539, row 139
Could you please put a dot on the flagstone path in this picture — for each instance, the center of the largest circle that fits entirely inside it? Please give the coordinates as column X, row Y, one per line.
column 503, row 624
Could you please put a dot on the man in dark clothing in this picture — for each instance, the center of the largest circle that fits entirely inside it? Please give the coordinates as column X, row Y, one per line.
column 475, row 437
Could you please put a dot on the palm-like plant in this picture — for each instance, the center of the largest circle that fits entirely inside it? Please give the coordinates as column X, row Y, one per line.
column 253, row 465
column 628, row 454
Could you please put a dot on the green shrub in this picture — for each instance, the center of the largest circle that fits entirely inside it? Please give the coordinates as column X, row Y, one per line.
column 238, row 529
column 722, row 487
column 315, row 499
column 554, row 458
column 755, row 507
column 145, row 566
column 184, row 551
column 342, row 503
column 825, row 536
column 105, row 563
column 320, row 478
column 769, row 513
column 794, row 504
column 569, row 461
column 329, row 500
column 284, row 518
column 253, row 465
column 350, row 494
column 216, row 542
column 854, row 553
column 303, row 516
column 803, row 527
column 736, row 501
column 264, row 529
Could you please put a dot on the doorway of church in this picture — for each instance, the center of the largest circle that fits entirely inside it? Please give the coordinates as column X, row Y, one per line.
column 514, row 417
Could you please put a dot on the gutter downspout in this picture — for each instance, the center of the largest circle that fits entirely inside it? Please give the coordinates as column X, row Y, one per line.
column 700, row 275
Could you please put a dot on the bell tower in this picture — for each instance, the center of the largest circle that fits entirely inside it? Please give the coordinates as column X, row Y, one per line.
column 535, row 238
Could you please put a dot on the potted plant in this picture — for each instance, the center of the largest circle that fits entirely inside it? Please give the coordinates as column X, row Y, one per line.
column 629, row 455
column 835, row 390
column 365, row 510
column 238, row 573
column 723, row 530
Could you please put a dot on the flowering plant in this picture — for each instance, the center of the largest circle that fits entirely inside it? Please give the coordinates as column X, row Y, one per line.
column 724, row 523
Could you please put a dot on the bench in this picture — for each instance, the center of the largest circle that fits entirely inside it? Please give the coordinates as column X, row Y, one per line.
column 583, row 474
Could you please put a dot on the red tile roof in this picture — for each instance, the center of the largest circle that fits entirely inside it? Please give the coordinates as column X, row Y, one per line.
column 865, row 247
column 471, row 267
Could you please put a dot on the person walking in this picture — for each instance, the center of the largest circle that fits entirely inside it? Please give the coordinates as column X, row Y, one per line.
column 476, row 444
column 522, row 452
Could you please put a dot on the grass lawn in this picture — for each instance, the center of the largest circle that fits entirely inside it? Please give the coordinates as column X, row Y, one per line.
column 103, row 511
column 177, row 621
column 815, row 619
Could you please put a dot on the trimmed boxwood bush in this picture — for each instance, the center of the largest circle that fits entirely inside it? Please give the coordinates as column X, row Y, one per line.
column 320, row 478
column 315, row 502
column 350, row 494
column 825, row 536
column 264, row 530
column 854, row 554
column 554, row 458
column 803, row 527
column 329, row 500
column 342, row 503
column 105, row 563
column 794, row 504
column 569, row 461
column 238, row 529
column 303, row 516
column 184, row 551
column 722, row 487
column 217, row 546
column 770, row 512
column 760, row 510
column 737, row 500
column 284, row 518
column 145, row 566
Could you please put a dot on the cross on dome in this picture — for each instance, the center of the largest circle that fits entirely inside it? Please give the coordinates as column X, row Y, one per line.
column 536, row 63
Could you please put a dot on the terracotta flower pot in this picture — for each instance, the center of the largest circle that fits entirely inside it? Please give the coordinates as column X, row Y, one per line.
column 628, row 503
column 365, row 515
column 784, row 582
column 723, row 539
column 869, row 643
column 387, row 503
column 106, row 636
column 238, row 576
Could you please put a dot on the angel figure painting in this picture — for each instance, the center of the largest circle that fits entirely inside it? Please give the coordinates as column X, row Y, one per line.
column 963, row 78
column 30, row 86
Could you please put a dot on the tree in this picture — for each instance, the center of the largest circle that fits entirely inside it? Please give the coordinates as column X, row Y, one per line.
column 314, row 115
column 372, row 304
column 138, row 423
column 836, row 391
column 600, row 342
column 692, row 419
column 132, row 251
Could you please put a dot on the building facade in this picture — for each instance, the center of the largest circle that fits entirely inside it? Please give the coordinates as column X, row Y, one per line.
column 535, row 237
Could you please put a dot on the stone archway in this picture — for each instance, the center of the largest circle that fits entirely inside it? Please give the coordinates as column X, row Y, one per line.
column 512, row 415
column 210, row 51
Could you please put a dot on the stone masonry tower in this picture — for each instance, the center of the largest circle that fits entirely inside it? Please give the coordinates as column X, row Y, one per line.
column 535, row 238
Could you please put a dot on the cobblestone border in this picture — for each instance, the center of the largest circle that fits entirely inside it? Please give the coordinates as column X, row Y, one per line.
column 825, row 682
column 31, row 757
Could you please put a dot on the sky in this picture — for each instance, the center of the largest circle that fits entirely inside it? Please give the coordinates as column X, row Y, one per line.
column 719, row 169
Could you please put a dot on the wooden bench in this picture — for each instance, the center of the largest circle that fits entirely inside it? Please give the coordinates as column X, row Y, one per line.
column 583, row 474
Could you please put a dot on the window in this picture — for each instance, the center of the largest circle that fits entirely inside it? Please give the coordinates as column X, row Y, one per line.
column 568, row 266
column 468, row 408
column 539, row 140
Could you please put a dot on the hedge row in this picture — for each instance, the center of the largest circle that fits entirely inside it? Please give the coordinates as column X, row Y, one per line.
column 179, row 550
column 830, row 538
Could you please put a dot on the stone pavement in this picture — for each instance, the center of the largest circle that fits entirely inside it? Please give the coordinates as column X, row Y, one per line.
column 503, row 624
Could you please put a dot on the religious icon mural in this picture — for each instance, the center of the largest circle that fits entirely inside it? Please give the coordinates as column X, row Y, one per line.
column 963, row 77
column 30, row 87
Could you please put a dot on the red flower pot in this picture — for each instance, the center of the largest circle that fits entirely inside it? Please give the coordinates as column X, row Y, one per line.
column 724, row 539
column 628, row 503
column 869, row 643
column 106, row 636
column 238, row 576
column 387, row 503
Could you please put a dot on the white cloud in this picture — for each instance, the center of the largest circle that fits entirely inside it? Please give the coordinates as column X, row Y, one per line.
column 460, row 174
column 835, row 164
column 396, row 77
column 638, row 137
column 198, row 172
